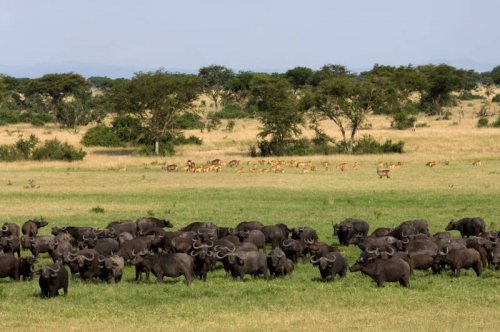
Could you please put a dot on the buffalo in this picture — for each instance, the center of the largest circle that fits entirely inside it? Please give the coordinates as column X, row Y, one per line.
column 173, row 265
column 9, row 267
column 348, row 229
column 467, row 226
column 52, row 278
column 457, row 259
column 278, row 264
column 146, row 223
column 383, row 270
column 30, row 228
column 330, row 264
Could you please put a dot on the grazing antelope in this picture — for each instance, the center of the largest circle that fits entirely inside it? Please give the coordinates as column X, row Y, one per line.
column 395, row 165
column 190, row 163
column 171, row 168
column 305, row 170
column 343, row 166
column 383, row 172
column 431, row 164
column 314, row 169
column 241, row 170
column 234, row 163
column 355, row 165
column 476, row 163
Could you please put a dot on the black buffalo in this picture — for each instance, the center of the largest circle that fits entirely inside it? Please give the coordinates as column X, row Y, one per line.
column 30, row 228
column 457, row 259
column 52, row 278
column 146, row 223
column 348, row 229
column 330, row 264
column 383, row 270
column 9, row 267
column 278, row 264
column 468, row 226
column 173, row 265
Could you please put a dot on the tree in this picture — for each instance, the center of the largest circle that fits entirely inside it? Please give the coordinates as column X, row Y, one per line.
column 299, row 77
column 395, row 85
column 345, row 100
column 238, row 87
column 277, row 111
column 495, row 75
column 101, row 82
column 329, row 71
column 60, row 86
column 442, row 80
column 3, row 91
column 156, row 98
column 215, row 79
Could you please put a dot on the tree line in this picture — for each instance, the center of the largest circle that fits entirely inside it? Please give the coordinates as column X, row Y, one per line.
column 282, row 102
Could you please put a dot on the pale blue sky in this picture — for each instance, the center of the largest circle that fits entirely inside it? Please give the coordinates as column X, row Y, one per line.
column 254, row 35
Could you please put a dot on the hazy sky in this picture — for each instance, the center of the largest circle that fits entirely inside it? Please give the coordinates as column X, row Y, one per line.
column 252, row 34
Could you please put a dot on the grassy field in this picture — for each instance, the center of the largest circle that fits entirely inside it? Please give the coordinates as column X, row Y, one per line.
column 128, row 186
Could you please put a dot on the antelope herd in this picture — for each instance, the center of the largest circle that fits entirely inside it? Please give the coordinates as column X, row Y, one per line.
column 292, row 166
column 387, row 254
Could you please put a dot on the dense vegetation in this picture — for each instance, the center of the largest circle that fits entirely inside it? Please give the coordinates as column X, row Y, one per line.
column 164, row 104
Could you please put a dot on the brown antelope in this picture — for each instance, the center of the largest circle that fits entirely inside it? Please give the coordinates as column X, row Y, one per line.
column 476, row 163
column 305, row 170
column 241, row 170
column 383, row 172
column 314, row 169
column 171, row 168
column 431, row 164
column 355, row 165
column 234, row 163
column 343, row 166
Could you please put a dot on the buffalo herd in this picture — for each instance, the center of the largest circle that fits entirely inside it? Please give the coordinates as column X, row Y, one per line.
column 250, row 248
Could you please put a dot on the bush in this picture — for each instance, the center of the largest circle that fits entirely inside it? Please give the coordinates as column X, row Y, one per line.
column 56, row 150
column 127, row 128
column 231, row 111
column 496, row 99
column 496, row 124
column 367, row 145
column 101, row 136
column 467, row 95
column 186, row 121
column 9, row 117
column 402, row 121
column 482, row 122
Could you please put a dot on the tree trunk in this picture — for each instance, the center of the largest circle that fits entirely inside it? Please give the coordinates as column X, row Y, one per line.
column 157, row 147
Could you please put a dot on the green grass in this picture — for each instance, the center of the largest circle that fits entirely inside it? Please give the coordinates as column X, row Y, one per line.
column 300, row 302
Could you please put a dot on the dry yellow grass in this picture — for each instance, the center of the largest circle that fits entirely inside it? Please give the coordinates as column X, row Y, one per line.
column 442, row 139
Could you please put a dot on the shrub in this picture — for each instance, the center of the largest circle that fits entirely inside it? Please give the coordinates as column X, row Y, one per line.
column 101, row 136
column 467, row 95
column 367, row 145
column 9, row 117
column 97, row 209
column 482, row 122
column 56, row 150
column 402, row 121
column 127, row 128
column 496, row 124
column 496, row 99
column 231, row 111
column 186, row 121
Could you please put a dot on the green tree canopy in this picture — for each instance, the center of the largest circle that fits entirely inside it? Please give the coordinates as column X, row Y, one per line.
column 345, row 100
column 156, row 97
column 215, row 80
column 442, row 80
column 277, row 110
column 299, row 76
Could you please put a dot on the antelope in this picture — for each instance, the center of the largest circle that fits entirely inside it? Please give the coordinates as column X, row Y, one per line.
column 234, row 163
column 476, row 163
column 356, row 165
column 241, row 170
column 343, row 166
column 314, row 169
column 171, row 168
column 305, row 170
column 431, row 164
column 383, row 172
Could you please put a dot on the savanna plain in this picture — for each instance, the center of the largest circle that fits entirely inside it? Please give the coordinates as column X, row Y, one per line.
column 127, row 186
